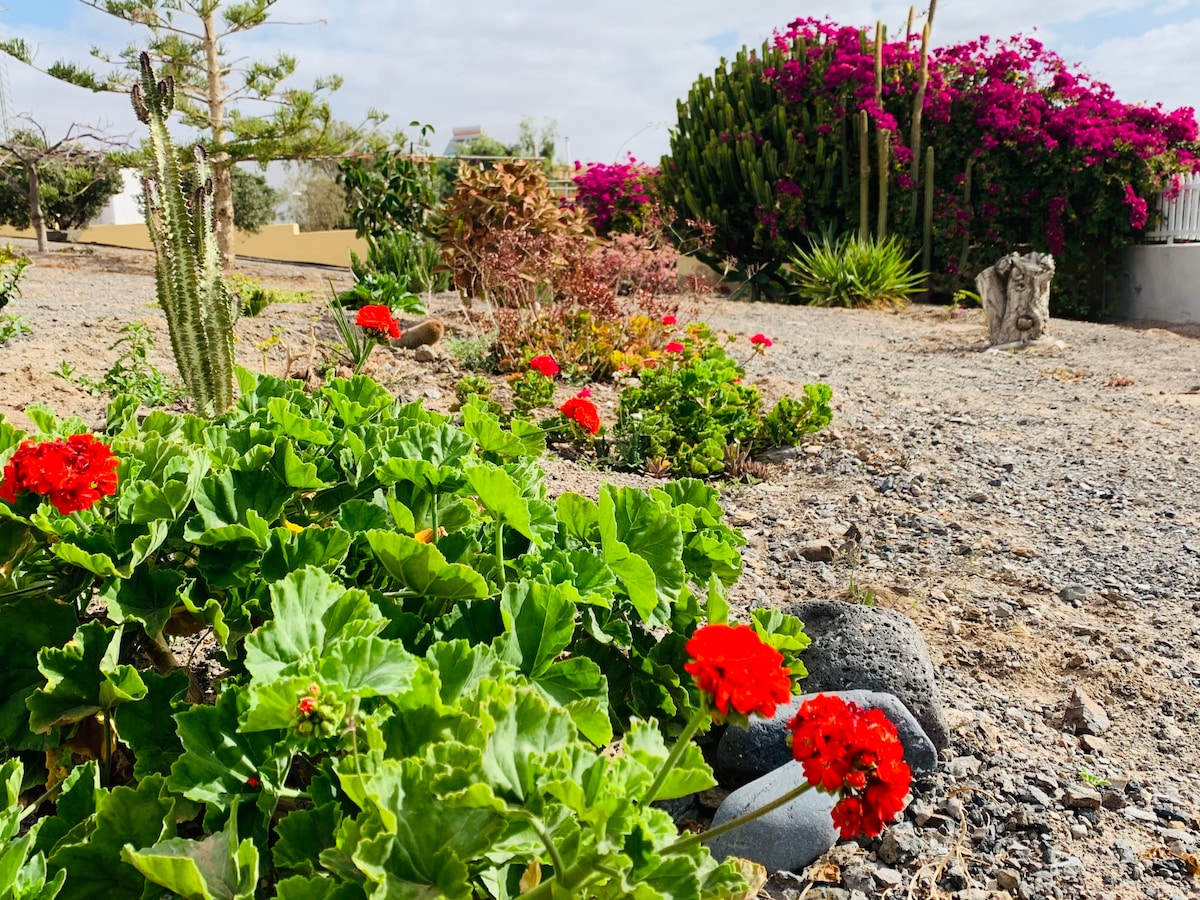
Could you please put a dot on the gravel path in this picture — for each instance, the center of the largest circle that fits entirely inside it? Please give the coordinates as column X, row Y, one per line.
column 1037, row 514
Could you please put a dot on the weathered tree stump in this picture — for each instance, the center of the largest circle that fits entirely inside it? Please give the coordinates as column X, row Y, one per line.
column 1016, row 298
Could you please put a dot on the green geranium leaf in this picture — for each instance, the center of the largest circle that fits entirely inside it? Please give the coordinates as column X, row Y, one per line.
column 301, row 836
column 637, row 576
column 648, row 530
column 356, row 516
column 425, row 839
column 221, row 763
column 579, row 686
column 300, row 887
column 422, row 569
column 167, row 481
column 485, row 429
column 439, row 445
column 321, row 548
column 311, row 611
column 579, row 516
column 526, row 728
column 786, row 634
column 500, row 494
column 82, row 679
column 74, row 805
column 293, row 471
column 539, row 620
column 147, row 596
column 225, row 502
column 112, row 554
column 356, row 400
column 140, row 816
column 148, row 726
column 644, row 743
column 30, row 624
column 297, row 424
column 461, row 668
column 216, row 867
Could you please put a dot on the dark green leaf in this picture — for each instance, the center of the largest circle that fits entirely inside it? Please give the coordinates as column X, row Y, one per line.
column 82, row 679
column 30, row 623
column 421, row 568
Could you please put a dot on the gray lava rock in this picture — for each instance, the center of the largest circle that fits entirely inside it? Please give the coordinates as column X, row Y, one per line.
column 790, row 837
column 1084, row 715
column 870, row 648
column 762, row 746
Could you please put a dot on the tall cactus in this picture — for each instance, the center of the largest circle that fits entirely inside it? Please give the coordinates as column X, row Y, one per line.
column 200, row 309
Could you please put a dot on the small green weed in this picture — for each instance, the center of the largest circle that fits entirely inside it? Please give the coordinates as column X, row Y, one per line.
column 132, row 374
column 254, row 297
column 13, row 327
column 1088, row 777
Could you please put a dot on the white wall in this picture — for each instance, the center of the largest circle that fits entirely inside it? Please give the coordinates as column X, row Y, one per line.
column 122, row 208
column 1160, row 282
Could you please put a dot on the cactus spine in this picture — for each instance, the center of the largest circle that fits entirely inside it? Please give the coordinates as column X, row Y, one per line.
column 199, row 308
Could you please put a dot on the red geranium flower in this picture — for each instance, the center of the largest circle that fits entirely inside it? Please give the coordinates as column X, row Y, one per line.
column 582, row 411
column 761, row 340
column 668, row 320
column 307, row 705
column 544, row 364
column 584, row 393
column 674, row 347
column 377, row 321
column 733, row 665
column 73, row 473
column 856, row 754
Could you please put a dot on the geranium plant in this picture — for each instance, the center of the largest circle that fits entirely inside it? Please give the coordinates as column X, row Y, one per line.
column 693, row 404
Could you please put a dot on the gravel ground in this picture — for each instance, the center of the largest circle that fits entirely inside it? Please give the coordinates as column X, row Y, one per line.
column 1036, row 513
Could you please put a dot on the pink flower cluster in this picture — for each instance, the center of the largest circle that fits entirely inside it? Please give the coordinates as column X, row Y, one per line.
column 616, row 197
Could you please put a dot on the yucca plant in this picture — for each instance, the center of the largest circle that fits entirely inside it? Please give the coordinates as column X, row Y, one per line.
column 855, row 273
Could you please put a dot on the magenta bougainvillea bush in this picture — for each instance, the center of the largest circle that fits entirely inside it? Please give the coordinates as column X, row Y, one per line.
column 617, row 197
column 1030, row 152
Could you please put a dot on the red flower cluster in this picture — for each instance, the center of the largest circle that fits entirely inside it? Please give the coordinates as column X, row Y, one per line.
column 761, row 340
column 73, row 474
column 674, row 347
column 544, row 364
column 377, row 321
column 669, row 320
column 856, row 754
column 583, row 412
column 734, row 666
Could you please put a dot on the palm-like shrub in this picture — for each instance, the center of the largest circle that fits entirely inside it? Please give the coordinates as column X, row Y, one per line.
column 854, row 273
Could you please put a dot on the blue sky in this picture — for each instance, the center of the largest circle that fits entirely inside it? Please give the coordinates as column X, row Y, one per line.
column 608, row 73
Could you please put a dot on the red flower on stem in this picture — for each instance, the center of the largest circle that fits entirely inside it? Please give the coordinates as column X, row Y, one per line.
column 378, row 322
column 674, row 347
column 307, row 705
column 583, row 412
column 733, row 665
column 856, row 754
column 761, row 340
column 544, row 364
column 73, row 473
column 668, row 320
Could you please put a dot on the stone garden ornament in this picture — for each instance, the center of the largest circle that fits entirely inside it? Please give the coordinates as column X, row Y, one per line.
column 1016, row 299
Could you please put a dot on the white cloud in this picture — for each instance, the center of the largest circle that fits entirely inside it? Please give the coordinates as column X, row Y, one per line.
column 609, row 74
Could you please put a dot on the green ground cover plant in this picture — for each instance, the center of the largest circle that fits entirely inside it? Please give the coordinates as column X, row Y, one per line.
column 410, row 628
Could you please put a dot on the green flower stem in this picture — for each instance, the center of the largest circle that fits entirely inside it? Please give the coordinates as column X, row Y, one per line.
column 500, row 550
column 692, row 840
column 685, row 737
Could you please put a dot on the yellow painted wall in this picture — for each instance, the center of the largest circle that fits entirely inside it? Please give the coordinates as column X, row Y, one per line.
column 283, row 243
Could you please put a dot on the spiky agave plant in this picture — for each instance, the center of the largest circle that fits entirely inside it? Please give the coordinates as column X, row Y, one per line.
column 200, row 309
column 854, row 272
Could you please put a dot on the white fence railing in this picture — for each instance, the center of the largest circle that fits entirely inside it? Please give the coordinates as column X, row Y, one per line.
column 1178, row 217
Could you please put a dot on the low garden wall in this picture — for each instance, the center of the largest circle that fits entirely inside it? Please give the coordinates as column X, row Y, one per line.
column 285, row 243
column 1160, row 282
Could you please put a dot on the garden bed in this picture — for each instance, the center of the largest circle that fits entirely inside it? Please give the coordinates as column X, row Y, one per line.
column 1037, row 514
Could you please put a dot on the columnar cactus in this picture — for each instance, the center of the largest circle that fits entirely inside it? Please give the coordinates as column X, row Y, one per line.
column 738, row 162
column 199, row 307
